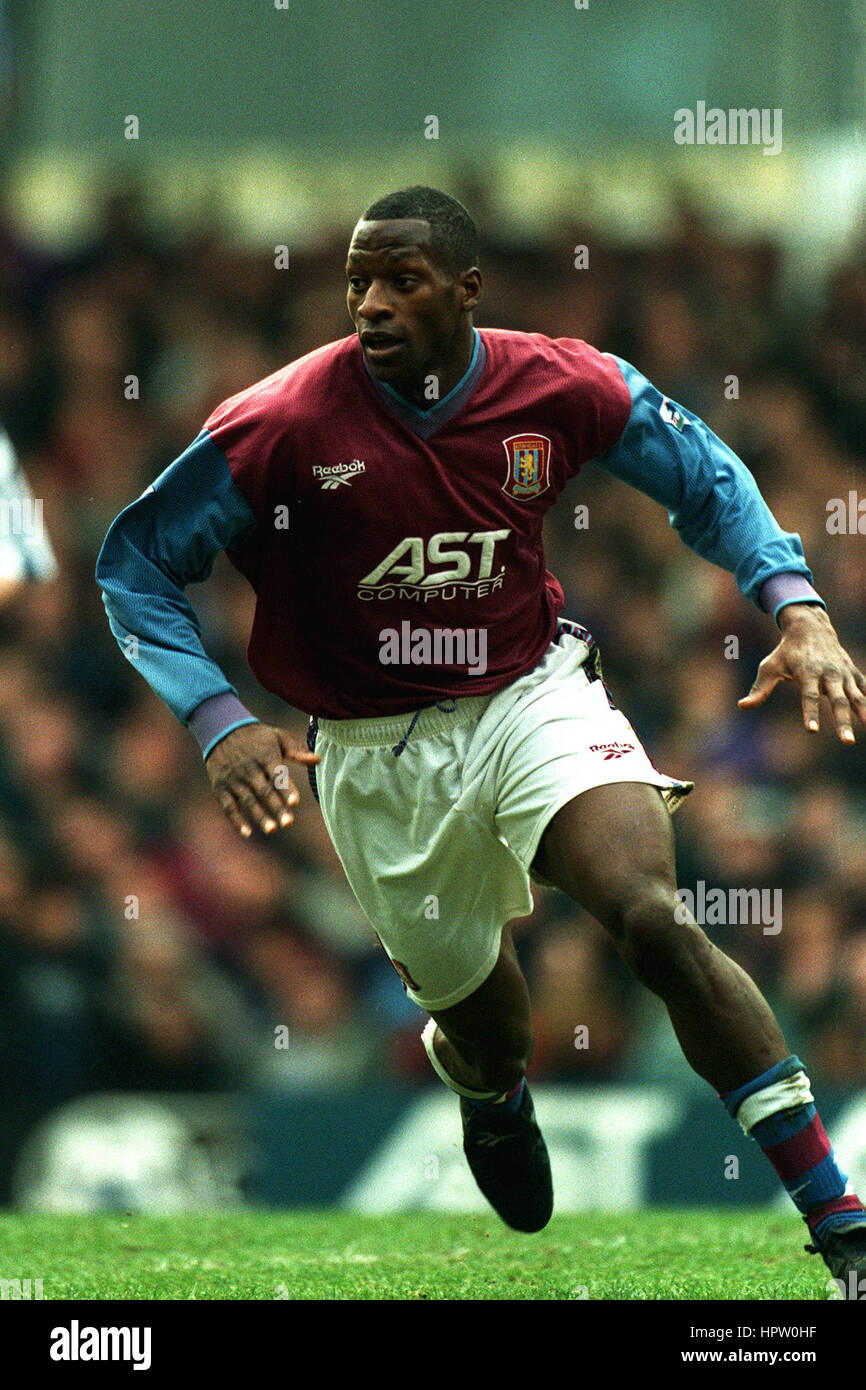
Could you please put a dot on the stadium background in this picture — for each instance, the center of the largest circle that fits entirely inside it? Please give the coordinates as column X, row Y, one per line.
column 145, row 951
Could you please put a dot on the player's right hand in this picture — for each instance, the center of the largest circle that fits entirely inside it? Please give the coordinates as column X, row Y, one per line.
column 249, row 773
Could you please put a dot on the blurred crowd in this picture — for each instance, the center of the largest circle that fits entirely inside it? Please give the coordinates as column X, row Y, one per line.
column 143, row 945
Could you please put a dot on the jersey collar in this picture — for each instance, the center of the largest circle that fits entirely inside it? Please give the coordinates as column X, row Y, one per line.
column 425, row 423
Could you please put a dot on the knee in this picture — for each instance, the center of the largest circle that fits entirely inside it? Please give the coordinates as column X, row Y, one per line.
column 658, row 947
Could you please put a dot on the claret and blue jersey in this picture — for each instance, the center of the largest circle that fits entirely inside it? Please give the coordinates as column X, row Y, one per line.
column 350, row 511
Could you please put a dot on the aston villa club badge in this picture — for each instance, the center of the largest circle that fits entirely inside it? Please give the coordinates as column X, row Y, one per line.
column 528, row 465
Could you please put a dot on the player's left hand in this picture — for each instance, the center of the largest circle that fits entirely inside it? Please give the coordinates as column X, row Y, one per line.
column 811, row 656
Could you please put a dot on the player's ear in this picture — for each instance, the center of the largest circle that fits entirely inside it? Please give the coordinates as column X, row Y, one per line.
column 471, row 284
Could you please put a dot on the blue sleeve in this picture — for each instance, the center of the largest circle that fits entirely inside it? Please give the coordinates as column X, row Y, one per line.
column 165, row 540
column 712, row 499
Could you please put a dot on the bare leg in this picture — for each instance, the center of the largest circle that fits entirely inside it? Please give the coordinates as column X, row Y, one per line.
column 485, row 1042
column 611, row 850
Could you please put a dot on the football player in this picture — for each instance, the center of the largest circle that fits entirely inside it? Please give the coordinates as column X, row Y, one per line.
column 384, row 495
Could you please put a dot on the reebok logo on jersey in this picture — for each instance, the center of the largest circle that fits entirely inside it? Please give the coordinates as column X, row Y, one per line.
column 611, row 750
column 335, row 475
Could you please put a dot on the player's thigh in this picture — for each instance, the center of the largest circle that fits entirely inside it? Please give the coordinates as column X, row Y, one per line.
column 610, row 847
column 497, row 1016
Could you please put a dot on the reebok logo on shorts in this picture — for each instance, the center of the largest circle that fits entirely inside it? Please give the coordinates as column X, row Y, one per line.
column 611, row 750
column 402, row 971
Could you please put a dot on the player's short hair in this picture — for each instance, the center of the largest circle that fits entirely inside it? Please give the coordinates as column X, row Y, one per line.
column 453, row 234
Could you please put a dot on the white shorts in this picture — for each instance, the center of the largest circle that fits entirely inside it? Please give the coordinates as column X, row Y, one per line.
column 438, row 842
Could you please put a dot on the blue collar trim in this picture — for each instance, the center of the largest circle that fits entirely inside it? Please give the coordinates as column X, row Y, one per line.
column 425, row 414
column 425, row 423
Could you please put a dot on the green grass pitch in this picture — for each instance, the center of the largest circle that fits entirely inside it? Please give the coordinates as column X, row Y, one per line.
column 657, row 1254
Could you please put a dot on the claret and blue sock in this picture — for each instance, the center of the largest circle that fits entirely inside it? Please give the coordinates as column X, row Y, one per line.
column 777, row 1110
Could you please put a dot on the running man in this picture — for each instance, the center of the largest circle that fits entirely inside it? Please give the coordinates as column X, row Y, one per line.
column 384, row 495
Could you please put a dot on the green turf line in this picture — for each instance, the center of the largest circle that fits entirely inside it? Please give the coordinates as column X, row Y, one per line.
column 693, row 1254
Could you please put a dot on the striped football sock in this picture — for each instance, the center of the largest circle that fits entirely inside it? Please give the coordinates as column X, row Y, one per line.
column 777, row 1110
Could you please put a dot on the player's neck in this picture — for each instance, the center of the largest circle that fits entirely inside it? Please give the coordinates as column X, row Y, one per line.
column 435, row 385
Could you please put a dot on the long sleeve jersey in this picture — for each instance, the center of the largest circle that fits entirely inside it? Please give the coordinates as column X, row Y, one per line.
column 351, row 512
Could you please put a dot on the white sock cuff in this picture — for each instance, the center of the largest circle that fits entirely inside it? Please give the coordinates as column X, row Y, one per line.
column 427, row 1040
column 781, row 1095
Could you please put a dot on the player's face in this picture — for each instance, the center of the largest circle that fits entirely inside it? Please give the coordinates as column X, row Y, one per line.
column 412, row 317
